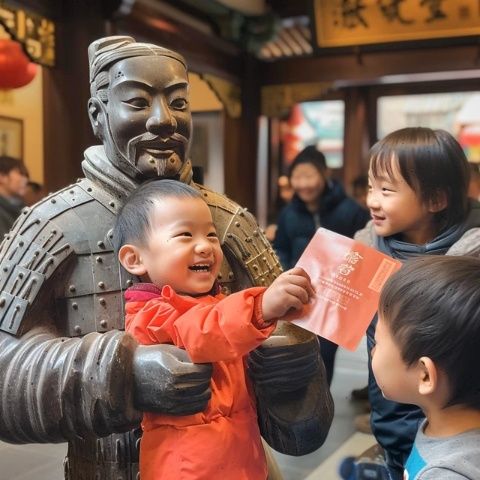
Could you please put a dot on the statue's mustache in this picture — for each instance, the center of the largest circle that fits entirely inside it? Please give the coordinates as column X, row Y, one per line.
column 148, row 139
column 176, row 142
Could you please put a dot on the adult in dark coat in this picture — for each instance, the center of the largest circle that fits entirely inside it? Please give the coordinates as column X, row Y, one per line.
column 317, row 202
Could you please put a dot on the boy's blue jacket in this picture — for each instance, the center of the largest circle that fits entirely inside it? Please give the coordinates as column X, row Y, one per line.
column 393, row 424
column 296, row 225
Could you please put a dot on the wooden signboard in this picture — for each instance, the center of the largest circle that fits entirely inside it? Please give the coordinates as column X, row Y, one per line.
column 357, row 22
column 36, row 33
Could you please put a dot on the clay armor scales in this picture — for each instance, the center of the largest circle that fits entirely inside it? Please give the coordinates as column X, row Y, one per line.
column 250, row 259
column 59, row 258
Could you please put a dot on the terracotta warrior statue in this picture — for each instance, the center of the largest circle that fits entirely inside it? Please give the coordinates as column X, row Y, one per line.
column 68, row 371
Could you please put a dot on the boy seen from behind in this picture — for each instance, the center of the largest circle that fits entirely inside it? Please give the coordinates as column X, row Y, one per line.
column 427, row 353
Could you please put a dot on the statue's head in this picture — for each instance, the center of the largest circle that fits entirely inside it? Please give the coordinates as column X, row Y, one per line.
column 139, row 107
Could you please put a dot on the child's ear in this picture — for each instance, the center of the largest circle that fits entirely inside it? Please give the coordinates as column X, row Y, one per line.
column 428, row 376
column 131, row 260
column 438, row 203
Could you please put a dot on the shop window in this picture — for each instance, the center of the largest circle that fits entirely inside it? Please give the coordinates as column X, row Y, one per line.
column 457, row 113
column 315, row 123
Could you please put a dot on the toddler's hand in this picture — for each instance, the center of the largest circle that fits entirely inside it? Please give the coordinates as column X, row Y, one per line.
column 292, row 289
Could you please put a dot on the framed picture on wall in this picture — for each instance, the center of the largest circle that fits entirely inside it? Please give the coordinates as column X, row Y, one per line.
column 11, row 137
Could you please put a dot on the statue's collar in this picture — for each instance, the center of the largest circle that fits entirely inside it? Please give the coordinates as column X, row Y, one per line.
column 98, row 168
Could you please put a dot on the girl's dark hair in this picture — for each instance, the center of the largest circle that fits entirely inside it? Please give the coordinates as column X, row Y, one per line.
column 312, row 156
column 432, row 308
column 134, row 220
column 432, row 162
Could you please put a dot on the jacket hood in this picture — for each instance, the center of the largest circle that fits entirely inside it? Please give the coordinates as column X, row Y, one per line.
column 461, row 239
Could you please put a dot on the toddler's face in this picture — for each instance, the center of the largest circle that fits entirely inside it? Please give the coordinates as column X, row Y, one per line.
column 183, row 249
column 397, row 209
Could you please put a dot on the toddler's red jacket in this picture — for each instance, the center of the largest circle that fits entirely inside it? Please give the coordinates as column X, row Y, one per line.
column 223, row 441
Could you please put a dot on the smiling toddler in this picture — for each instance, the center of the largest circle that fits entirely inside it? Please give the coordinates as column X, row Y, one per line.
column 165, row 235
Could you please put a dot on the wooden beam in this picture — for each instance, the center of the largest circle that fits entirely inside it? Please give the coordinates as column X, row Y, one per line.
column 46, row 8
column 241, row 137
column 371, row 65
column 204, row 53
column 287, row 8
column 357, row 134
column 66, row 90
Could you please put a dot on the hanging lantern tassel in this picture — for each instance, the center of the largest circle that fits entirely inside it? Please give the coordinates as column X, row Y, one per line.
column 16, row 70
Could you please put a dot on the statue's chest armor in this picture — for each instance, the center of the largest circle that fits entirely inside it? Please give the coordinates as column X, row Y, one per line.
column 90, row 294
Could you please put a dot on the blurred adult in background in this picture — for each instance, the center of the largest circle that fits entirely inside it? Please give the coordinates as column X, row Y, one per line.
column 317, row 202
column 34, row 192
column 13, row 180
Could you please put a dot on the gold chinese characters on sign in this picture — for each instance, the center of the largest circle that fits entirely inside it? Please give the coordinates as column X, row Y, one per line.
column 357, row 22
column 36, row 33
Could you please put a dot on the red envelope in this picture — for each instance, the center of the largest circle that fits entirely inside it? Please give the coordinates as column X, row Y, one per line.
column 348, row 277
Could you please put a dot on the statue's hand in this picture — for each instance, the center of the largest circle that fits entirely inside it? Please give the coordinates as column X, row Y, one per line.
column 166, row 381
column 286, row 361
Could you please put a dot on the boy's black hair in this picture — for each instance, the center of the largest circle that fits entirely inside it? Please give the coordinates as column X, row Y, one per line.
column 7, row 164
column 134, row 220
column 310, row 155
column 431, row 162
column 432, row 308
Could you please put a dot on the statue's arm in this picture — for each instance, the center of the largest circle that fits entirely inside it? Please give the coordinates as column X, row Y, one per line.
column 54, row 387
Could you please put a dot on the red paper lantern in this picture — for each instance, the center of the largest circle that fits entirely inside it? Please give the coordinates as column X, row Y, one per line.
column 16, row 70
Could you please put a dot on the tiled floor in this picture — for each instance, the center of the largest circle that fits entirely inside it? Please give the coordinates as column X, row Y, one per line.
column 31, row 462
column 44, row 462
column 350, row 372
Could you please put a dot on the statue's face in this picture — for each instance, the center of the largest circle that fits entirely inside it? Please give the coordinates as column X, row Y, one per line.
column 149, row 119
